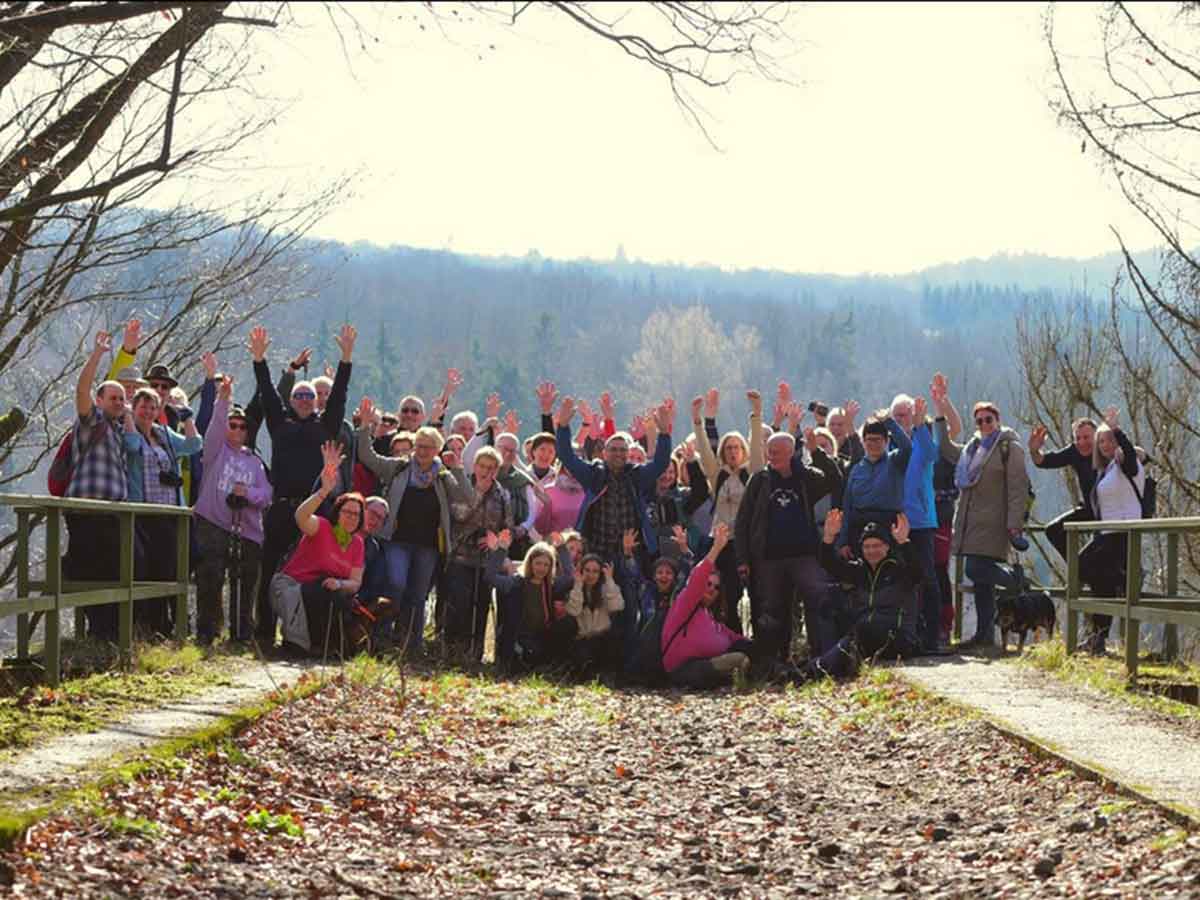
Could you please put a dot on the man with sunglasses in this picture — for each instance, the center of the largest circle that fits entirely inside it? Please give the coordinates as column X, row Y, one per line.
column 296, row 458
column 993, row 492
column 229, row 528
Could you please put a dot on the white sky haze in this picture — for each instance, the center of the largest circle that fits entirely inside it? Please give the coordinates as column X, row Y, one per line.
column 917, row 134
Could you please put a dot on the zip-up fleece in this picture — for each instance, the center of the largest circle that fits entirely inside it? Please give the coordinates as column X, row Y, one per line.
column 885, row 595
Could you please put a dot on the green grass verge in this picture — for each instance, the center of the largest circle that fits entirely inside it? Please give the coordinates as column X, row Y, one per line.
column 1107, row 676
column 22, row 811
column 159, row 673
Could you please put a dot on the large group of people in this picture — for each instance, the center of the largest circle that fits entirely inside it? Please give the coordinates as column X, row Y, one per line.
column 588, row 549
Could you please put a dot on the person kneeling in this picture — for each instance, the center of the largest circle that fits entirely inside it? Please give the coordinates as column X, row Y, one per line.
column 325, row 571
column 697, row 650
column 536, row 629
column 594, row 599
column 884, row 597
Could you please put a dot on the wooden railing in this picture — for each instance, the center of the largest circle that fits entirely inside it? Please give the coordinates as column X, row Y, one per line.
column 1164, row 607
column 42, row 599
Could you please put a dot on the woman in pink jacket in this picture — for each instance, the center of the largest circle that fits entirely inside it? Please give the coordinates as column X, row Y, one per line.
column 698, row 651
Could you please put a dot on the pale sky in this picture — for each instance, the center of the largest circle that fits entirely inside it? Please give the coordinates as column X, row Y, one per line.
column 917, row 134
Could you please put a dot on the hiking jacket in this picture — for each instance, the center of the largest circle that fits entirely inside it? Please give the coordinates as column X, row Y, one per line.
column 985, row 512
column 594, row 478
column 877, row 485
column 885, row 595
column 819, row 479
column 703, row 637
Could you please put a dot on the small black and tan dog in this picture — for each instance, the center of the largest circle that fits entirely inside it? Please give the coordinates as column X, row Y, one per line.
column 1022, row 614
column 1022, row 609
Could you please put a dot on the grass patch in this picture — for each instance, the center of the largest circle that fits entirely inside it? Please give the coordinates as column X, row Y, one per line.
column 1106, row 675
column 272, row 823
column 1168, row 839
column 160, row 673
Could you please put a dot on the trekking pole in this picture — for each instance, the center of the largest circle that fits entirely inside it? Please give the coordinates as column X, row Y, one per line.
column 235, row 576
column 474, row 610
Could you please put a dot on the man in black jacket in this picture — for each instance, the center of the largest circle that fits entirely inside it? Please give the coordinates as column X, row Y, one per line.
column 1077, row 455
column 296, row 462
column 776, row 538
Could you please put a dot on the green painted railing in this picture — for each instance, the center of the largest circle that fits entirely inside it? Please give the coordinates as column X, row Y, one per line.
column 42, row 599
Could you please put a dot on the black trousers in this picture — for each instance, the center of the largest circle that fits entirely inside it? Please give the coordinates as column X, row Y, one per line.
column 156, row 562
column 279, row 533
column 94, row 554
column 1057, row 535
column 1102, row 568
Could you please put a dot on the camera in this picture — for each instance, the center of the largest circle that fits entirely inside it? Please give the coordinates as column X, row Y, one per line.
column 818, row 408
column 170, row 479
column 236, row 501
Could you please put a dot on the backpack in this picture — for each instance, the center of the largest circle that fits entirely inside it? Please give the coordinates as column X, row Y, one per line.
column 62, row 467
column 1147, row 498
column 646, row 664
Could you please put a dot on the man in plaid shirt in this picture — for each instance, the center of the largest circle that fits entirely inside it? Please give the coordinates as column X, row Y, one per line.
column 97, row 473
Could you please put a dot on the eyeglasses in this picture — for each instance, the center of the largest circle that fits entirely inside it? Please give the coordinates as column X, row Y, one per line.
column 237, row 426
column 388, row 420
column 985, row 420
column 410, row 411
column 304, row 395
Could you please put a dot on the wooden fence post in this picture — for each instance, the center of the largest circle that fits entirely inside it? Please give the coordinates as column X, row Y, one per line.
column 1171, row 632
column 1133, row 592
column 54, row 521
column 181, row 576
column 1072, row 593
column 125, row 608
column 23, row 582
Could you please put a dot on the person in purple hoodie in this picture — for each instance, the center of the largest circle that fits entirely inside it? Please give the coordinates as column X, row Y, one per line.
column 229, row 522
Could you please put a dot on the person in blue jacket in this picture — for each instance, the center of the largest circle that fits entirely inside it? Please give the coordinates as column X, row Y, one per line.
column 874, row 489
column 920, row 509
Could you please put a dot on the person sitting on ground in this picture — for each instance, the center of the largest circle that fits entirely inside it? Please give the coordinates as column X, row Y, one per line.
column 881, row 619
column 325, row 571
column 537, row 629
column 234, row 492
column 697, row 650
column 595, row 598
column 374, row 609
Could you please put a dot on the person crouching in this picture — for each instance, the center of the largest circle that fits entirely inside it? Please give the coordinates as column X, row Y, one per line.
column 884, row 598
column 536, row 629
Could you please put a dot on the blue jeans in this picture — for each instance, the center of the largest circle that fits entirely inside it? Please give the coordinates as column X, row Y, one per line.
column 931, row 595
column 985, row 573
column 410, row 571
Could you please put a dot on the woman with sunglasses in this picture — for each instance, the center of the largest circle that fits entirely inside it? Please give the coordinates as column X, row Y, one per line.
column 993, row 491
column 234, row 492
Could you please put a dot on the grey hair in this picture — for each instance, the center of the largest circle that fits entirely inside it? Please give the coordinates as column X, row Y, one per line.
column 900, row 400
column 779, row 437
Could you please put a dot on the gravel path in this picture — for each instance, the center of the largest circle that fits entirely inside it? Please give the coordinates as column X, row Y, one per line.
column 1121, row 743
column 456, row 787
column 61, row 762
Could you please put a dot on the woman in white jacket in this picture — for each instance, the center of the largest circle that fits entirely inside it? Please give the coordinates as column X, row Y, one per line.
column 1117, row 496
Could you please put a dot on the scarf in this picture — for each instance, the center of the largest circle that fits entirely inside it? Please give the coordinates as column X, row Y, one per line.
column 419, row 479
column 342, row 536
column 970, row 463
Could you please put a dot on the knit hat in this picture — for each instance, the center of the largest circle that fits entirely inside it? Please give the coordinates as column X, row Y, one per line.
column 876, row 531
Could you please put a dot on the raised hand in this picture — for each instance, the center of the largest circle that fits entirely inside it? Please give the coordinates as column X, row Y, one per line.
column 225, row 391
column 607, row 408
column 102, row 344
column 720, row 539
column 712, row 403
column 491, row 541
column 664, row 416
column 1112, row 418
column 900, row 529
column 637, row 427
column 687, row 452
column 810, row 439
column 259, row 342
column 133, row 336
column 546, row 394
column 1037, row 438
column 586, row 413
column 783, row 392
column 852, row 408
column 329, row 477
column 680, row 536
column 697, row 403
column 505, row 537
column 920, row 408
column 556, row 539
column 368, row 413
column 454, row 381
column 795, row 413
column 629, row 541
column 452, row 459
column 208, row 360
column 345, row 340
column 512, row 424
column 566, row 411
column 833, row 525
column 755, row 399
column 609, row 572
column 491, row 408
column 300, row 361
column 939, row 388
column 331, row 454
column 437, row 410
